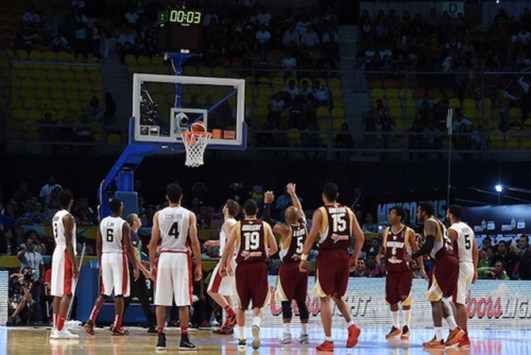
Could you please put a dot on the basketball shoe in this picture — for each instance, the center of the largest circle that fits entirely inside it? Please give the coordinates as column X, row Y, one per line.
column 393, row 333
column 353, row 335
column 256, row 337
column 405, row 333
column 89, row 327
column 454, row 336
column 326, row 346
column 161, row 342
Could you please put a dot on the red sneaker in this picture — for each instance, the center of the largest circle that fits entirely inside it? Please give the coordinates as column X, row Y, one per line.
column 353, row 334
column 89, row 327
column 464, row 342
column 327, row 346
column 119, row 331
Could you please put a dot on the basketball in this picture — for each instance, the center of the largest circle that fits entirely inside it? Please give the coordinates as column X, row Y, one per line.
column 198, row 127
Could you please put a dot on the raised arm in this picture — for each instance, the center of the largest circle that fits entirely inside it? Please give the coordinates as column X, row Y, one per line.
column 296, row 202
column 269, row 198
column 196, row 248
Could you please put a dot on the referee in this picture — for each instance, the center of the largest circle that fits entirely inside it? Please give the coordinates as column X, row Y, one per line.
column 139, row 287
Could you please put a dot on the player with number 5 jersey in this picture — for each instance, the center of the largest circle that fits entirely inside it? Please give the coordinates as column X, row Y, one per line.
column 335, row 224
column 292, row 284
column 254, row 241
column 174, row 227
column 464, row 244
column 115, row 251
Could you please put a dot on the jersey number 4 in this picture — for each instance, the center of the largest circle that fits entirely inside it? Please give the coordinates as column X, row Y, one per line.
column 174, row 230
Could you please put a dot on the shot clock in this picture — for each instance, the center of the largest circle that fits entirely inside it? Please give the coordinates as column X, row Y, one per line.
column 179, row 30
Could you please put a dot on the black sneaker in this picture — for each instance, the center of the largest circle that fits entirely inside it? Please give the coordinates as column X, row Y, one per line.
column 186, row 344
column 242, row 344
column 161, row 342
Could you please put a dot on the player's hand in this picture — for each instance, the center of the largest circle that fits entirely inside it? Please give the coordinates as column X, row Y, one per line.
column 303, row 266
column 475, row 278
column 353, row 262
column 198, row 273
column 269, row 197
column 423, row 274
column 75, row 272
column 135, row 274
column 154, row 274
column 407, row 258
column 146, row 273
column 223, row 270
column 290, row 188
column 230, row 271
column 208, row 243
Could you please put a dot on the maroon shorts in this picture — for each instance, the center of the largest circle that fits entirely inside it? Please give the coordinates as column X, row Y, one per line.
column 292, row 283
column 251, row 284
column 333, row 268
column 398, row 287
column 443, row 277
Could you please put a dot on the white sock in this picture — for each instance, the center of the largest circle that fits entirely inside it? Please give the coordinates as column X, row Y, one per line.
column 438, row 333
column 329, row 339
column 350, row 323
column 287, row 328
column 394, row 316
column 304, row 328
column 241, row 332
column 257, row 321
column 407, row 317
column 451, row 322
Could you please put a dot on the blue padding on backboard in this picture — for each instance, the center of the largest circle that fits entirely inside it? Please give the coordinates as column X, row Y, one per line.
column 130, row 201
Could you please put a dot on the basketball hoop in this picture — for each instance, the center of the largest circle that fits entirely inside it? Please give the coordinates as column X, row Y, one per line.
column 195, row 144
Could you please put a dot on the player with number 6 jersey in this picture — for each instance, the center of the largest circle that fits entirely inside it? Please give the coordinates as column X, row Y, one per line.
column 176, row 230
column 464, row 244
column 292, row 284
column 254, row 241
column 115, row 251
column 335, row 224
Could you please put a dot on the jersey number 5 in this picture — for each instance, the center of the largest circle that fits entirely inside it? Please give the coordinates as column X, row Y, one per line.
column 468, row 245
column 252, row 240
column 300, row 245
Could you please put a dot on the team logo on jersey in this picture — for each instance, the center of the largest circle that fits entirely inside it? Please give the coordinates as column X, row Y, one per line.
column 169, row 216
column 336, row 237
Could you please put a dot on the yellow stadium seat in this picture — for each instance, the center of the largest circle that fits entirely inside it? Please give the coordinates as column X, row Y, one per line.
column 35, row 55
column 338, row 112
column 114, row 138
column 469, row 103
column 322, row 112
column 454, row 103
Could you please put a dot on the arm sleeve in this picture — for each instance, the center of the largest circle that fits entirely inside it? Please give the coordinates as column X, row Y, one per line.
column 266, row 215
column 426, row 247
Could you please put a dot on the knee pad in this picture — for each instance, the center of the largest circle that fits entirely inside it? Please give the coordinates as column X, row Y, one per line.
column 286, row 310
column 303, row 310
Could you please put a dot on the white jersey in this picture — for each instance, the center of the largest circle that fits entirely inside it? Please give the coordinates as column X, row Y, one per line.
column 59, row 230
column 174, row 225
column 223, row 237
column 465, row 241
column 111, row 235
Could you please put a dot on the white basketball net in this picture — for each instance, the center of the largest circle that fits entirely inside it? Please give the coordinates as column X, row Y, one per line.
column 195, row 144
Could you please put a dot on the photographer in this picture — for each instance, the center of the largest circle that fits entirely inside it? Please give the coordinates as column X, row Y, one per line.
column 20, row 300
column 31, row 258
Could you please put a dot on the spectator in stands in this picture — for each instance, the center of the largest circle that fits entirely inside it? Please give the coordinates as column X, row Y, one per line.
column 31, row 258
column 126, row 41
column 263, row 18
column 522, row 266
column 289, row 65
column 46, row 191
column 303, row 25
column 22, row 194
column 52, row 22
column 131, row 16
column 503, row 99
column 369, row 225
column 309, row 38
column 93, row 111
column 360, row 270
column 291, row 38
column 487, row 258
column 374, row 247
column 31, row 16
column 60, row 43
column 292, row 89
column 506, row 255
column 263, row 37
column 8, row 245
column 485, row 244
column 496, row 272
column 276, row 108
column 373, row 268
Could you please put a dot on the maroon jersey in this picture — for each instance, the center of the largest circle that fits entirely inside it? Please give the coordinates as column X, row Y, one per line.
column 336, row 229
column 291, row 248
column 251, row 236
column 396, row 246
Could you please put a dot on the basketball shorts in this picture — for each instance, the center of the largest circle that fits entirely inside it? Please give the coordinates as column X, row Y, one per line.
column 62, row 277
column 225, row 286
column 443, row 278
column 291, row 283
column 398, row 287
column 251, row 285
column 466, row 274
column 174, row 279
column 331, row 277
column 114, row 274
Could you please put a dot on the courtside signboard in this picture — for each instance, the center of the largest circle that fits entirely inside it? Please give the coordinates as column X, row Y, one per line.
column 491, row 304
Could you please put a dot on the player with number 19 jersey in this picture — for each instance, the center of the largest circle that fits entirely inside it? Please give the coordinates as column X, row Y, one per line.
column 174, row 269
column 333, row 260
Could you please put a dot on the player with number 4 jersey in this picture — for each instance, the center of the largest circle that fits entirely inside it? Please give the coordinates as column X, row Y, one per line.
column 254, row 241
column 464, row 244
column 292, row 284
column 335, row 224
column 114, row 250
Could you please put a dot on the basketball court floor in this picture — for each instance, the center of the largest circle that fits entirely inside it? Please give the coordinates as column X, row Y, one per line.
column 372, row 341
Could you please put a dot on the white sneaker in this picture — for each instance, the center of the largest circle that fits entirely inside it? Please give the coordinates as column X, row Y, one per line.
column 286, row 339
column 304, row 339
column 53, row 333
column 65, row 334
column 256, row 337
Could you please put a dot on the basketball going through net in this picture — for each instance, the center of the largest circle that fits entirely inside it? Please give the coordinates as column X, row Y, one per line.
column 195, row 143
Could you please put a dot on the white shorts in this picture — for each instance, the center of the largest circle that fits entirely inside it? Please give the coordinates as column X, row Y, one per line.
column 114, row 274
column 225, row 286
column 62, row 279
column 174, row 279
column 466, row 274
